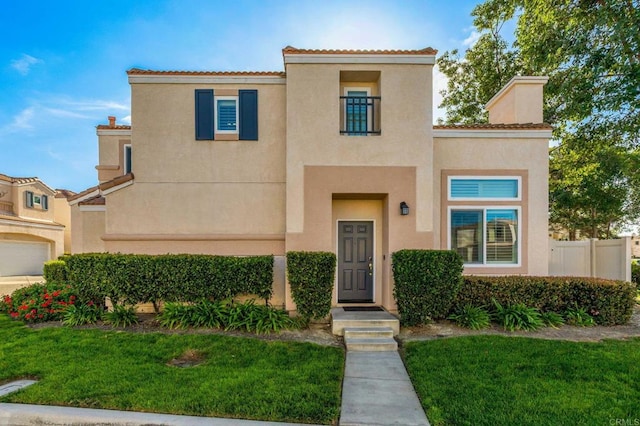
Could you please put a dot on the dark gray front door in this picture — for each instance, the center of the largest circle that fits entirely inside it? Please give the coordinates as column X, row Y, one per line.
column 355, row 261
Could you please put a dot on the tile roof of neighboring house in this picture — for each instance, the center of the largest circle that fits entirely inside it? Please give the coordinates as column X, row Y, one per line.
column 138, row 71
column 296, row 51
column 103, row 186
column 23, row 180
column 98, row 200
column 480, row 126
column 64, row 193
column 116, row 127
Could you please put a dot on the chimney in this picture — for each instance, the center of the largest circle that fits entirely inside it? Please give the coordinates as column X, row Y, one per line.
column 112, row 121
column 518, row 102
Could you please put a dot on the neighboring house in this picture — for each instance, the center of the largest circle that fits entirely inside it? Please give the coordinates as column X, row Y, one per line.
column 338, row 153
column 635, row 246
column 35, row 225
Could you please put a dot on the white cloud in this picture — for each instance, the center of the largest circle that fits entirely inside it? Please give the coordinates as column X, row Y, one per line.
column 24, row 64
column 472, row 39
column 126, row 119
column 57, row 112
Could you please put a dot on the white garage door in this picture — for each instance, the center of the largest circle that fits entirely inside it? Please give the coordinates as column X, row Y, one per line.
column 22, row 258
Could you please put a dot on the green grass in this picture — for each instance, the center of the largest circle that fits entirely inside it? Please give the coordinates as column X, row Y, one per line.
column 241, row 377
column 495, row 380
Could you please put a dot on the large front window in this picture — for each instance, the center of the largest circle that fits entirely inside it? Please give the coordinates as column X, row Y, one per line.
column 486, row 235
column 484, row 223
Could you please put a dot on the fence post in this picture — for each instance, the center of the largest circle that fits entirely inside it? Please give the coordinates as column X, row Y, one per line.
column 626, row 257
column 592, row 257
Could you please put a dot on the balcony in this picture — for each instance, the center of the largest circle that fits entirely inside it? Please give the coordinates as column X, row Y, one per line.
column 360, row 115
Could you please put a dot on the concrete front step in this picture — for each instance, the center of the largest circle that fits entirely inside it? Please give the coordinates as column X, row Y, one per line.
column 375, row 344
column 340, row 319
column 368, row 332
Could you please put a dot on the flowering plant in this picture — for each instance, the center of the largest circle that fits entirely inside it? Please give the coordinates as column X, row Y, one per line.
column 38, row 302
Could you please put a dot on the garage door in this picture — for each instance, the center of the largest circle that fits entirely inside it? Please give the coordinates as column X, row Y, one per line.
column 22, row 258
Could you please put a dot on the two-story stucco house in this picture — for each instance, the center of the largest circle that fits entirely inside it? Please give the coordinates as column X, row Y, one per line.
column 338, row 153
column 34, row 225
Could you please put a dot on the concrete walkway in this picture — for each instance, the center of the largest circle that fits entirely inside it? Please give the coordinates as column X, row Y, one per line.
column 377, row 391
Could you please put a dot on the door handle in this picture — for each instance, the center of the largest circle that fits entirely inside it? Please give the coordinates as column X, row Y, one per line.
column 370, row 265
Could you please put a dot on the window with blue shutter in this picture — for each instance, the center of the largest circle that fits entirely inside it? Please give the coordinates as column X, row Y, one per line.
column 204, row 114
column 248, row 105
column 227, row 115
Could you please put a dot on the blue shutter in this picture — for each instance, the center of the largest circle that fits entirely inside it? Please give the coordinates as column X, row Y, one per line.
column 45, row 202
column 248, row 114
column 28, row 198
column 127, row 159
column 204, row 114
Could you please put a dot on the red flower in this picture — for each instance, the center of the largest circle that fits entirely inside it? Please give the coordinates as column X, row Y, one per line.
column 23, row 307
column 56, row 293
column 14, row 314
column 90, row 303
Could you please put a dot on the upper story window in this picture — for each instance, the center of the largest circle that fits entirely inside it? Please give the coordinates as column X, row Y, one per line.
column 360, row 112
column 33, row 201
column 127, row 158
column 226, row 115
column 494, row 188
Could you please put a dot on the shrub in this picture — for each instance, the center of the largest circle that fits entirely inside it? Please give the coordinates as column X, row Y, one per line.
column 609, row 302
column 121, row 316
column 39, row 302
column 311, row 276
column 552, row 319
column 81, row 314
column 426, row 283
column 517, row 317
column 133, row 279
column 472, row 317
column 55, row 271
column 635, row 274
column 579, row 317
column 175, row 315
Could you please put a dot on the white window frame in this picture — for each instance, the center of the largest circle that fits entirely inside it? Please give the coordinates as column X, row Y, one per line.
column 468, row 177
column 484, row 209
column 37, row 200
column 216, row 120
column 346, row 91
column 124, row 158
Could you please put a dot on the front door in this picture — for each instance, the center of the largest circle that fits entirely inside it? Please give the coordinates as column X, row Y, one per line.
column 355, row 261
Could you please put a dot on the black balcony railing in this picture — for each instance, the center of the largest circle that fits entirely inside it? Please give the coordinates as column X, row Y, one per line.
column 360, row 115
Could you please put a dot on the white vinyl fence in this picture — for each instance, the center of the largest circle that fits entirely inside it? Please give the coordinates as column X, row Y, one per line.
column 591, row 258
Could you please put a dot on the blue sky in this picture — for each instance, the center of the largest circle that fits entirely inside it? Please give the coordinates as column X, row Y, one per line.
column 63, row 63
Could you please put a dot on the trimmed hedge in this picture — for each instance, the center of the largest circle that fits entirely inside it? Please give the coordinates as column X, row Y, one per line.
column 311, row 276
column 609, row 302
column 55, row 271
column 426, row 283
column 135, row 278
column 635, row 274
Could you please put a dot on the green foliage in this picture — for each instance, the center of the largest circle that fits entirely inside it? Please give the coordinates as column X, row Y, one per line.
column 635, row 274
column 311, row 275
column 39, row 302
column 609, row 302
column 133, row 279
column 226, row 315
column 579, row 316
column 121, row 316
column 552, row 319
column 426, row 283
column 473, row 317
column 517, row 317
column 589, row 51
column 55, row 271
column 81, row 314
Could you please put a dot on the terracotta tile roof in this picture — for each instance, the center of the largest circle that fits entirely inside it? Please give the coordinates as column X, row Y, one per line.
column 295, row 51
column 138, row 71
column 64, row 193
column 103, row 186
column 115, row 181
column 484, row 126
column 98, row 200
column 18, row 179
column 116, row 127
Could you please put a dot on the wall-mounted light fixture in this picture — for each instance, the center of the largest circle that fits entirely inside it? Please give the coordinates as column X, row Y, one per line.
column 404, row 209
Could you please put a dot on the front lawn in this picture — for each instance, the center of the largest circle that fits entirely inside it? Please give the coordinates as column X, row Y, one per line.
column 239, row 377
column 495, row 380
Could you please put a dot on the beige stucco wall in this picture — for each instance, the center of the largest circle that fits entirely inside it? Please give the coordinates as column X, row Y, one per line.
column 88, row 230
column 19, row 205
column 62, row 215
column 22, row 231
column 484, row 155
column 111, row 153
column 520, row 101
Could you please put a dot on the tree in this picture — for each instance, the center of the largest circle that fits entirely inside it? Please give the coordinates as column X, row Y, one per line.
column 590, row 49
